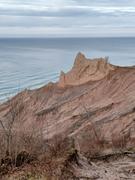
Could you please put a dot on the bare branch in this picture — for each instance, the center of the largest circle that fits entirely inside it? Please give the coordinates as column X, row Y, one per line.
column 3, row 127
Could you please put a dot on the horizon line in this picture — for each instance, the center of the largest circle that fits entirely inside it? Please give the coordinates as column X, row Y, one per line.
column 65, row 37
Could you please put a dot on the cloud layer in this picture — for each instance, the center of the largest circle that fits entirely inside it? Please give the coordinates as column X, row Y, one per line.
column 57, row 18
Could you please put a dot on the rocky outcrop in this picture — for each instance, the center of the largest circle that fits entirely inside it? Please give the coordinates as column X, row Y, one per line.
column 85, row 70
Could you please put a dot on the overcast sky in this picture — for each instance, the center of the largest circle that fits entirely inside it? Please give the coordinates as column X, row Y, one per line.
column 67, row 18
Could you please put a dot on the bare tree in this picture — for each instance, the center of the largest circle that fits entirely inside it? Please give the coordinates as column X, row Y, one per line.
column 98, row 138
column 7, row 123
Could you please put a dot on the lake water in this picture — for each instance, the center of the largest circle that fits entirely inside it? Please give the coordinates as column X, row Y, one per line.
column 31, row 63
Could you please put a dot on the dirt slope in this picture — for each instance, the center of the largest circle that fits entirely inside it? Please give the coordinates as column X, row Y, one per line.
column 108, row 102
column 94, row 98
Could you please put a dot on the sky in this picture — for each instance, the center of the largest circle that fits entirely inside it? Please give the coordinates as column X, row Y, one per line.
column 67, row 18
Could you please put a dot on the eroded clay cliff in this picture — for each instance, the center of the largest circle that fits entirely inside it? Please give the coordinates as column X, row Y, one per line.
column 85, row 70
column 94, row 99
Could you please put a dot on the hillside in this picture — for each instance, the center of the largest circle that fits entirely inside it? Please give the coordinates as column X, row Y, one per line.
column 90, row 109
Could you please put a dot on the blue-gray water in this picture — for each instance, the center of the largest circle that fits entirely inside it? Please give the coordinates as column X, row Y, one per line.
column 31, row 63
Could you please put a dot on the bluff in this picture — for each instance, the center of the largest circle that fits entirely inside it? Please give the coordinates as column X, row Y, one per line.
column 95, row 100
column 85, row 70
column 93, row 91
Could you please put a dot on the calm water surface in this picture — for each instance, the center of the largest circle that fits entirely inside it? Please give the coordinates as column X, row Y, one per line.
column 31, row 63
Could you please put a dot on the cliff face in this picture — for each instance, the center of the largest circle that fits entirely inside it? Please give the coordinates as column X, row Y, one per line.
column 94, row 93
column 93, row 104
column 85, row 70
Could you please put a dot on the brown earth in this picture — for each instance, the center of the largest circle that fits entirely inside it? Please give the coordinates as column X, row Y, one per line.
column 95, row 100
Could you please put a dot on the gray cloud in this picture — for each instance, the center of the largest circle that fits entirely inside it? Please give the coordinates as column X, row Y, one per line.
column 51, row 11
column 62, row 17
